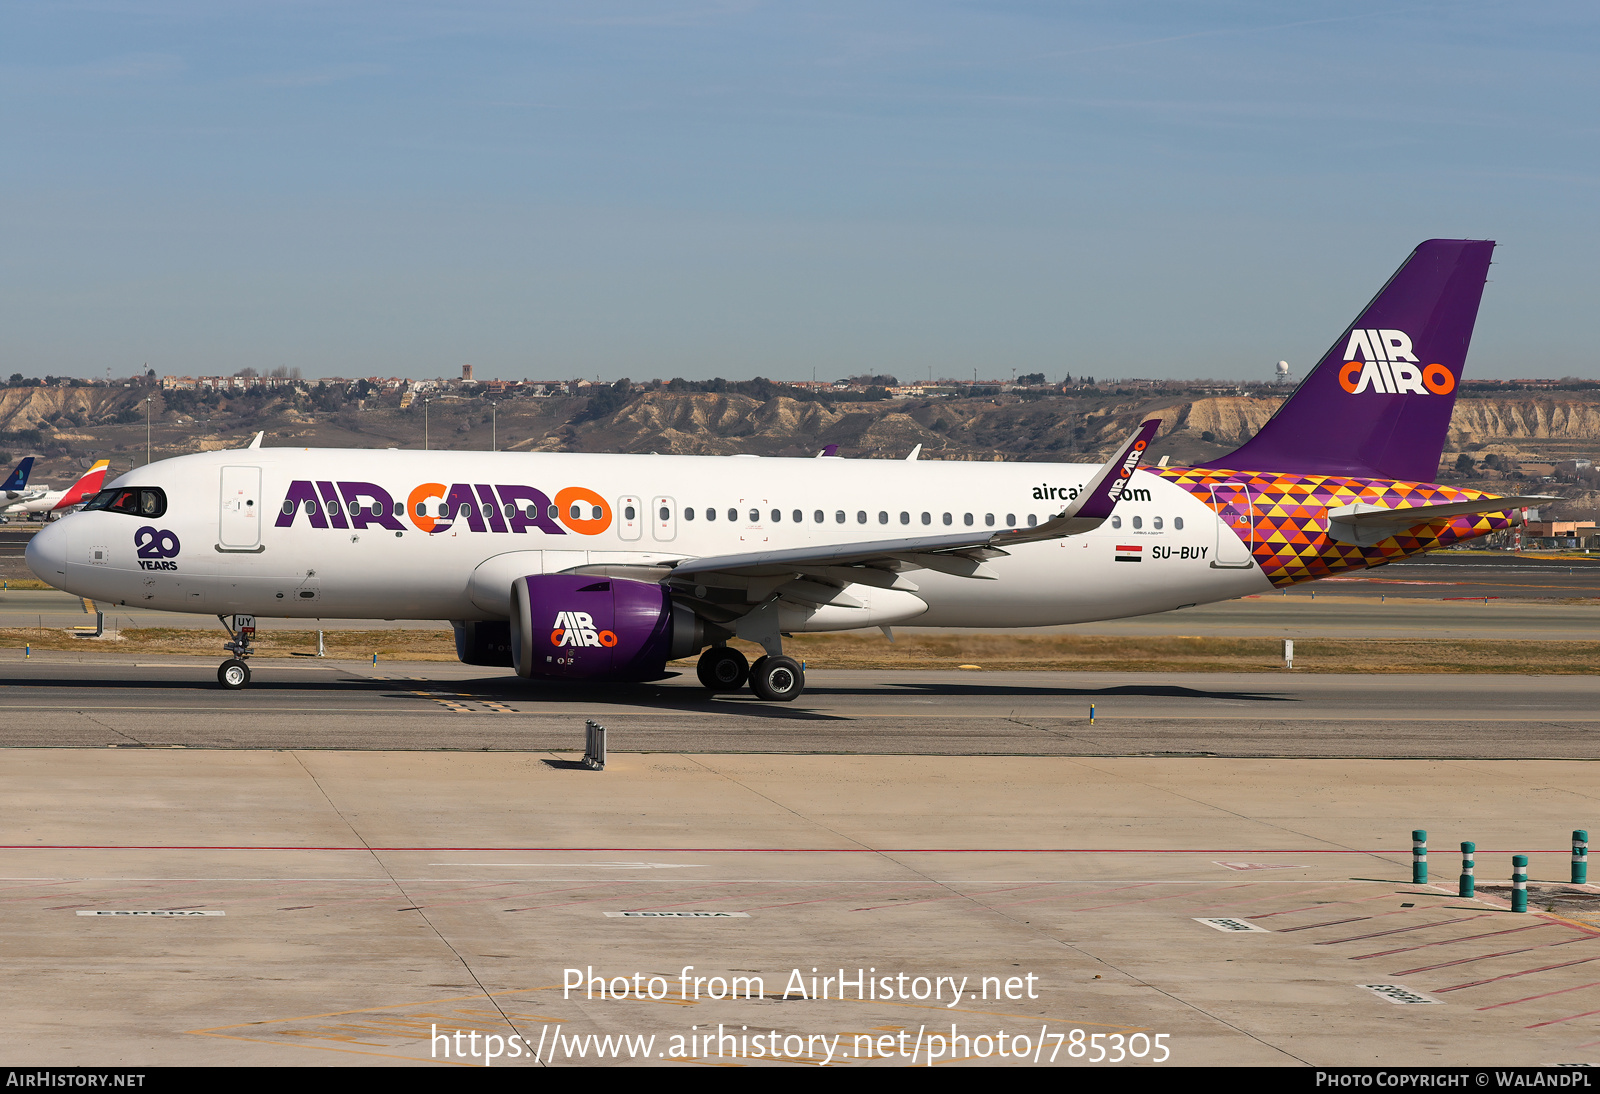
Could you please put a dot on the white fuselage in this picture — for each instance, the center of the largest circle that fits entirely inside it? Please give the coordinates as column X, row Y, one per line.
column 219, row 548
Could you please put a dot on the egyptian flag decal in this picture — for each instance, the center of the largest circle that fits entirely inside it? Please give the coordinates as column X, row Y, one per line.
column 1129, row 554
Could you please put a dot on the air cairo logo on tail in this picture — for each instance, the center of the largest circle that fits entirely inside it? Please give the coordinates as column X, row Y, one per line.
column 578, row 629
column 1383, row 361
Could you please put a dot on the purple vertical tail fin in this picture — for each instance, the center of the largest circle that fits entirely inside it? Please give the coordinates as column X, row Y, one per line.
column 1378, row 403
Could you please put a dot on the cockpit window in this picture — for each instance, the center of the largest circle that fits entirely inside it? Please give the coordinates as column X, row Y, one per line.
column 137, row 501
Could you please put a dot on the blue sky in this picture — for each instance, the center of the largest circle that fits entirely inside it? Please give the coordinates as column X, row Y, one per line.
column 738, row 188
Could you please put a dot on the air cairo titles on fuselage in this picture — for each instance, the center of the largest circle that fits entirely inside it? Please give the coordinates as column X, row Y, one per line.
column 481, row 507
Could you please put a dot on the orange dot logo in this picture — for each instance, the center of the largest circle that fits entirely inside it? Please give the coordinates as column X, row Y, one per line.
column 426, row 490
column 1350, row 375
column 582, row 510
column 1438, row 379
column 608, row 639
column 555, row 637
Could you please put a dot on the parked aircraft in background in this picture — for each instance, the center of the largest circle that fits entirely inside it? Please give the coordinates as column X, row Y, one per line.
column 607, row 567
column 49, row 504
column 15, row 488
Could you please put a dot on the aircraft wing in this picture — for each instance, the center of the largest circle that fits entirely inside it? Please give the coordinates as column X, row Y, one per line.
column 882, row 563
column 1364, row 524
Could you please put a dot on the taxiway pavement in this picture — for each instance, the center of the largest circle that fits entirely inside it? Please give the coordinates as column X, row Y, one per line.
column 89, row 701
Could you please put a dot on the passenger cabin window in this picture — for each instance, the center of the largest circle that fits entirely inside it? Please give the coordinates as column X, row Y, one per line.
column 733, row 514
column 988, row 520
column 883, row 518
column 927, row 518
column 905, row 518
column 1116, row 522
column 817, row 516
column 1011, row 520
column 666, row 514
column 1155, row 522
column 1032, row 520
column 628, row 512
column 1177, row 523
column 947, row 518
column 755, row 516
column 798, row 516
column 1138, row 523
column 138, row 501
column 861, row 516
column 838, row 517
column 688, row 512
column 777, row 516
column 711, row 514
column 966, row 518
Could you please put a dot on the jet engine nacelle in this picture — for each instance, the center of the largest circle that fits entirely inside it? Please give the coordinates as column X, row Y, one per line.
column 584, row 627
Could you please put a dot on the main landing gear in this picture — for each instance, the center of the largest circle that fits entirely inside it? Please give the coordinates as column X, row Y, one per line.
column 777, row 679
column 234, row 673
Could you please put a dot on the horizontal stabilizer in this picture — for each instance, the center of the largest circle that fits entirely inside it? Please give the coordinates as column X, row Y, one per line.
column 1364, row 525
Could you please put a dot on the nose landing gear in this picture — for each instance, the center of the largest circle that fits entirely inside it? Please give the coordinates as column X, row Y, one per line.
column 234, row 673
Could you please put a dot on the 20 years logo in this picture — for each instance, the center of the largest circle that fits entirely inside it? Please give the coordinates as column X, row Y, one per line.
column 155, row 546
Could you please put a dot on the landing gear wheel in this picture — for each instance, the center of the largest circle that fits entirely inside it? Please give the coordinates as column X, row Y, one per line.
column 777, row 679
column 722, row 669
column 234, row 674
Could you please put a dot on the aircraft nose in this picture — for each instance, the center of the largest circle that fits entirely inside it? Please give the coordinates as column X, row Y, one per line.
column 47, row 552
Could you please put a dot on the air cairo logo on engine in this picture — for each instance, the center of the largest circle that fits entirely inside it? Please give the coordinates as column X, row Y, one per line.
column 578, row 629
column 1383, row 361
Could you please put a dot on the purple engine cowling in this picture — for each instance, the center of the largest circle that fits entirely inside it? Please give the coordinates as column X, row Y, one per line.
column 585, row 627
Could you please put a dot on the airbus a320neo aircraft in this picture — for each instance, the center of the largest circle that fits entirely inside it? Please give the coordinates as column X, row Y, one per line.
column 606, row 567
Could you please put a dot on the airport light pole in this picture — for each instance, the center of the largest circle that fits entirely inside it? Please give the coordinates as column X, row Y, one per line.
column 148, row 399
column 494, row 427
column 424, row 423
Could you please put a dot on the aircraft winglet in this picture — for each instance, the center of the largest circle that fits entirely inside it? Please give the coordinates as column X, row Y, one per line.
column 1090, row 509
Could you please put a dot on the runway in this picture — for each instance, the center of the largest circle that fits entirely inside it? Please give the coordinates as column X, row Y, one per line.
column 174, row 702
